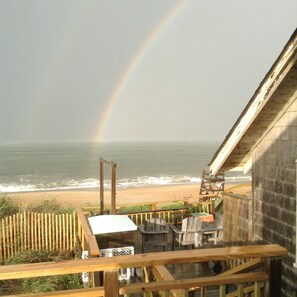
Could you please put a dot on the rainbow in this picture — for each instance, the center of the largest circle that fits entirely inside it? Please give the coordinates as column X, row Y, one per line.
column 133, row 65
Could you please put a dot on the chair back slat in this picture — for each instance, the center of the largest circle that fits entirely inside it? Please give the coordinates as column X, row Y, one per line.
column 190, row 225
column 155, row 225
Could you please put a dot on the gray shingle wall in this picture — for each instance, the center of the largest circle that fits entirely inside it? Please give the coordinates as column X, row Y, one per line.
column 237, row 219
column 274, row 190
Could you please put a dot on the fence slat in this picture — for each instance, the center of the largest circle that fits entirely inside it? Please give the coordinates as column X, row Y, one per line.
column 46, row 230
column 60, row 232
column 57, row 232
column 64, row 241
column 32, row 230
column 39, row 230
column 7, row 237
column 3, row 238
column 14, row 234
column 70, row 232
column 67, row 232
column 35, row 230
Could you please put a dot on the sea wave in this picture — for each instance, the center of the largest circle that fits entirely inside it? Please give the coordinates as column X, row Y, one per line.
column 26, row 185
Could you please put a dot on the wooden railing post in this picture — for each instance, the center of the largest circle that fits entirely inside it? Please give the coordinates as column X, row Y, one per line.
column 111, row 283
column 101, row 187
column 274, row 270
column 113, row 188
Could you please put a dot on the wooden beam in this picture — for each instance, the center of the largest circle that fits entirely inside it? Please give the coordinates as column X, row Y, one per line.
column 250, row 289
column 163, row 274
column 140, row 260
column 89, row 237
column 247, row 266
column 194, row 282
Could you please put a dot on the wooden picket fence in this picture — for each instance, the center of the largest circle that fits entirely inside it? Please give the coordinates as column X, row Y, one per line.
column 30, row 231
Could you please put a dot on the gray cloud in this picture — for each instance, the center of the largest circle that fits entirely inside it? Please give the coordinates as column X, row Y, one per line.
column 61, row 60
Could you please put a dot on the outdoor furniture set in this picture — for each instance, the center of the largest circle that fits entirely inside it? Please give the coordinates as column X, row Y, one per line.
column 193, row 230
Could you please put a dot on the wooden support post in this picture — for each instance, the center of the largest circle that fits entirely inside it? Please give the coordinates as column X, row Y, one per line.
column 113, row 188
column 275, row 275
column 111, row 283
column 154, row 208
column 240, row 290
column 257, row 289
column 101, row 186
column 213, row 205
column 203, row 292
column 222, row 290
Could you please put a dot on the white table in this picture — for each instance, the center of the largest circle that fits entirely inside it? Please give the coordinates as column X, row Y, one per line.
column 104, row 224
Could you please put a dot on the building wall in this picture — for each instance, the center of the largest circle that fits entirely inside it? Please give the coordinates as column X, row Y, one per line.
column 274, row 192
column 237, row 218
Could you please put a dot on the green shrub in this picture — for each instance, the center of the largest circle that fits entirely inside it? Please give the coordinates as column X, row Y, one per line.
column 39, row 284
column 49, row 206
column 173, row 206
column 8, row 207
column 135, row 208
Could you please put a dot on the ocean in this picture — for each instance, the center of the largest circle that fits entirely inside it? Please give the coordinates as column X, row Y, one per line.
column 71, row 166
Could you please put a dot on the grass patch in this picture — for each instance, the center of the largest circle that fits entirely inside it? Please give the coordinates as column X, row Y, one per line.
column 135, row 208
column 172, row 206
column 39, row 284
column 8, row 207
column 49, row 206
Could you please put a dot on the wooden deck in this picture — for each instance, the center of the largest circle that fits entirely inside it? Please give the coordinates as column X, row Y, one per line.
column 180, row 271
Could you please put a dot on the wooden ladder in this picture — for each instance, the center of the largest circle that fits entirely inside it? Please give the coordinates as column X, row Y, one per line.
column 211, row 184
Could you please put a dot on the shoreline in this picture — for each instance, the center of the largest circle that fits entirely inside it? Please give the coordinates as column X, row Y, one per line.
column 160, row 194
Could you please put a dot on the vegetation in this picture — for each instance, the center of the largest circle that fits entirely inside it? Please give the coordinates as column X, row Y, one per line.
column 177, row 205
column 7, row 207
column 39, row 284
column 10, row 207
column 135, row 208
column 49, row 206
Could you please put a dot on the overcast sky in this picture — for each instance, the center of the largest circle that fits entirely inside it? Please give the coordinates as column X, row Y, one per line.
column 61, row 61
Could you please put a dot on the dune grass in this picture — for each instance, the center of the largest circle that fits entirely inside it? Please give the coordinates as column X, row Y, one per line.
column 7, row 207
column 39, row 284
column 10, row 207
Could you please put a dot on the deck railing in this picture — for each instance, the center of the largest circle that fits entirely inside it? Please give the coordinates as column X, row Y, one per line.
column 257, row 282
column 138, row 217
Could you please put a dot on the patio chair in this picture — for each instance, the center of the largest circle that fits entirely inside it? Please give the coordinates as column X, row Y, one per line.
column 154, row 233
column 214, row 230
column 186, row 236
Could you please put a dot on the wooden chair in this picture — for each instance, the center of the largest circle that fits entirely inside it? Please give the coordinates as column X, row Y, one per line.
column 214, row 230
column 154, row 233
column 186, row 236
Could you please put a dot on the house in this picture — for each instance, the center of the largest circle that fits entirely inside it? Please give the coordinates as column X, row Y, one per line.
column 263, row 141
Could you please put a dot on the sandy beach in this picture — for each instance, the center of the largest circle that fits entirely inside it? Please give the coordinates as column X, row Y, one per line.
column 145, row 195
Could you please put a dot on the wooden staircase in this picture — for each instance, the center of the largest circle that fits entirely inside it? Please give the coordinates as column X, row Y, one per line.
column 212, row 184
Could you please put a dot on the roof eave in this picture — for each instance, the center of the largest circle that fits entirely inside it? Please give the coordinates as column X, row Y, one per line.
column 262, row 95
